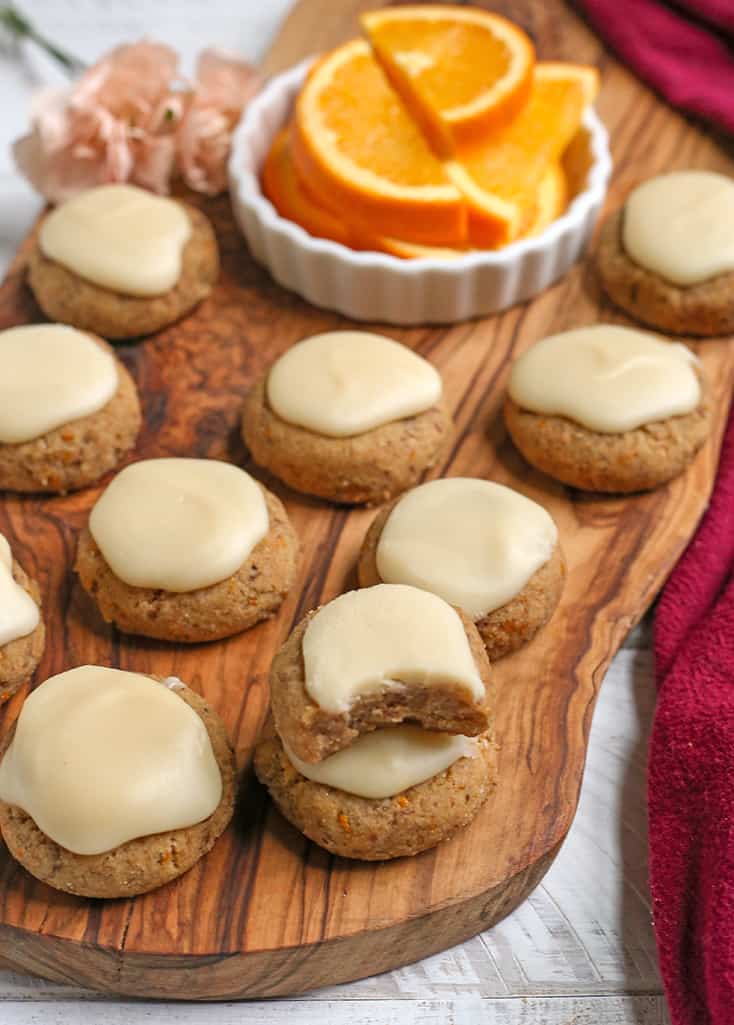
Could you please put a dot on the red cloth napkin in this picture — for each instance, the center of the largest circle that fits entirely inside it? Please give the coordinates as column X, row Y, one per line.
column 691, row 769
column 684, row 50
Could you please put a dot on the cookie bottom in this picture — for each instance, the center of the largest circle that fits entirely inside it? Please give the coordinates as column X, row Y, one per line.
column 376, row 830
column 76, row 454
column 369, row 468
column 255, row 592
column 19, row 658
column 514, row 625
column 703, row 309
column 637, row 460
column 137, row 866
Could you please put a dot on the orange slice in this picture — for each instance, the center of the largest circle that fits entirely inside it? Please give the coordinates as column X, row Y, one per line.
column 551, row 200
column 499, row 175
column 415, row 251
column 462, row 72
column 357, row 148
column 292, row 199
column 285, row 191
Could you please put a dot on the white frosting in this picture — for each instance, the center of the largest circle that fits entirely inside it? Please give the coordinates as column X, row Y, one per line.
column 179, row 524
column 382, row 637
column 19, row 615
column 610, row 379
column 473, row 543
column 386, row 762
column 50, row 375
column 681, row 225
column 119, row 237
column 348, row 382
column 102, row 756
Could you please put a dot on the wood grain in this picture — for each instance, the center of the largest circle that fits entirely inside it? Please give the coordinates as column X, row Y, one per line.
column 267, row 913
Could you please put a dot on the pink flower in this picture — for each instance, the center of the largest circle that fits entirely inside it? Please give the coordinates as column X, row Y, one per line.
column 68, row 150
column 223, row 85
column 129, row 119
column 131, row 82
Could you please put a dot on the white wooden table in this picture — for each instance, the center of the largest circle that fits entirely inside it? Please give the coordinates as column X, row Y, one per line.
column 581, row 950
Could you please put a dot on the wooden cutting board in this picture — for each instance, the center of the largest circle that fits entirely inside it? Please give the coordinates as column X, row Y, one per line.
column 267, row 913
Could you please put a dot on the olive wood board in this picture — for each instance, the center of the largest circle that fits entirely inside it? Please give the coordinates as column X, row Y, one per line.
column 268, row 913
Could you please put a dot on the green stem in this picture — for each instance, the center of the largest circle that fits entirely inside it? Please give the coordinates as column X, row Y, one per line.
column 19, row 26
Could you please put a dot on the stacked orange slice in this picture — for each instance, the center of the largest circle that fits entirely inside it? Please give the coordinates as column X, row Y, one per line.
column 357, row 146
column 437, row 134
column 462, row 72
column 499, row 175
column 290, row 198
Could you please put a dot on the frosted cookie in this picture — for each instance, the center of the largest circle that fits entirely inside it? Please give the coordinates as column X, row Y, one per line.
column 349, row 416
column 478, row 545
column 381, row 739
column 122, row 262
column 668, row 256
column 166, row 794
column 187, row 550
column 607, row 408
column 393, row 792
column 376, row 657
column 69, row 410
column 22, row 634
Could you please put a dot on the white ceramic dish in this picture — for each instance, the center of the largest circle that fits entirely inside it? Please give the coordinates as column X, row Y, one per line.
column 379, row 287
